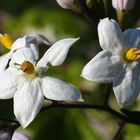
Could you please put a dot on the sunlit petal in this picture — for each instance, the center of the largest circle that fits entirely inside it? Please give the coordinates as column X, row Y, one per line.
column 28, row 101
column 57, row 52
column 8, row 83
column 126, row 87
column 58, row 90
column 110, row 35
column 103, row 68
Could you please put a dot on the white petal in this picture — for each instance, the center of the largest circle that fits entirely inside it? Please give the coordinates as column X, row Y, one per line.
column 132, row 37
column 4, row 60
column 127, row 86
column 24, row 54
column 66, row 4
column 58, row 90
column 8, row 83
column 123, row 4
column 110, row 35
column 103, row 68
column 57, row 53
column 25, row 48
column 25, row 41
column 19, row 135
column 41, row 39
column 19, row 43
column 28, row 101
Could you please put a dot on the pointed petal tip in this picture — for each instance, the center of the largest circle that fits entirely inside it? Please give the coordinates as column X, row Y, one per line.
column 76, row 39
column 24, row 125
column 57, row 53
column 81, row 100
column 86, row 74
column 73, row 40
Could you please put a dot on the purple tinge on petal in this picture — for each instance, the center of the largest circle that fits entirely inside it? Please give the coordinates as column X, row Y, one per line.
column 20, row 136
column 123, row 4
column 66, row 4
column 128, row 4
column 4, row 135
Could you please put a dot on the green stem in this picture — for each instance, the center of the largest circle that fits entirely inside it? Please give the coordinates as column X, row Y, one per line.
column 118, row 131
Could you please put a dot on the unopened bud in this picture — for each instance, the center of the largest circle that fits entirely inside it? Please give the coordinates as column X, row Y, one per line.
column 91, row 4
column 70, row 4
column 123, row 4
column 66, row 4
column 4, row 135
column 20, row 136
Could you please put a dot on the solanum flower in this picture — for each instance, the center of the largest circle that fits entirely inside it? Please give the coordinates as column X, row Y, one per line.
column 28, row 45
column 26, row 82
column 118, row 62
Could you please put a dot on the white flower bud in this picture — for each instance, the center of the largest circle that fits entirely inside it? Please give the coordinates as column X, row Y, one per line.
column 20, row 136
column 123, row 4
column 66, row 4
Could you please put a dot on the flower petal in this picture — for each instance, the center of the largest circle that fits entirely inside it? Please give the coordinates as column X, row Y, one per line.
column 123, row 4
column 57, row 53
column 132, row 37
column 126, row 87
column 25, row 48
column 41, row 39
column 25, row 41
column 103, row 68
column 28, row 101
column 110, row 35
column 4, row 60
column 58, row 90
column 25, row 54
column 20, row 136
column 66, row 4
column 8, row 83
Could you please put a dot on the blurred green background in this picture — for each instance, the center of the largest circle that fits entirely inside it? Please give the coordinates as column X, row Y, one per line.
column 20, row 17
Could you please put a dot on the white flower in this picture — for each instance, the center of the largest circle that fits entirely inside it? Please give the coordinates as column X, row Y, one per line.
column 27, row 45
column 26, row 82
column 118, row 62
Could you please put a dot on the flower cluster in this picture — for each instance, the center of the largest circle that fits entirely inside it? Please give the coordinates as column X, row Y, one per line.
column 118, row 62
column 22, row 75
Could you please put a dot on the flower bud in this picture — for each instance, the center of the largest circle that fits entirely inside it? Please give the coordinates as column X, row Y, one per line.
column 123, row 4
column 66, row 4
column 20, row 136
column 92, row 4
column 4, row 135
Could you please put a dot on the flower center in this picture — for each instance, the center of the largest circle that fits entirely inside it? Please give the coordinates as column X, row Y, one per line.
column 6, row 40
column 27, row 67
column 133, row 54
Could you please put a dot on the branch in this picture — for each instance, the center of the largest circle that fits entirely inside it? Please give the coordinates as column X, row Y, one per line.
column 118, row 131
column 125, row 118
column 84, row 106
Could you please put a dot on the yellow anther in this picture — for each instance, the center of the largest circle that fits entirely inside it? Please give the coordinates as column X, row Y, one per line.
column 133, row 54
column 6, row 40
column 27, row 67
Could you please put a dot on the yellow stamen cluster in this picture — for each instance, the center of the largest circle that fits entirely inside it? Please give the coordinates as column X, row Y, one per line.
column 6, row 40
column 133, row 54
column 27, row 67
